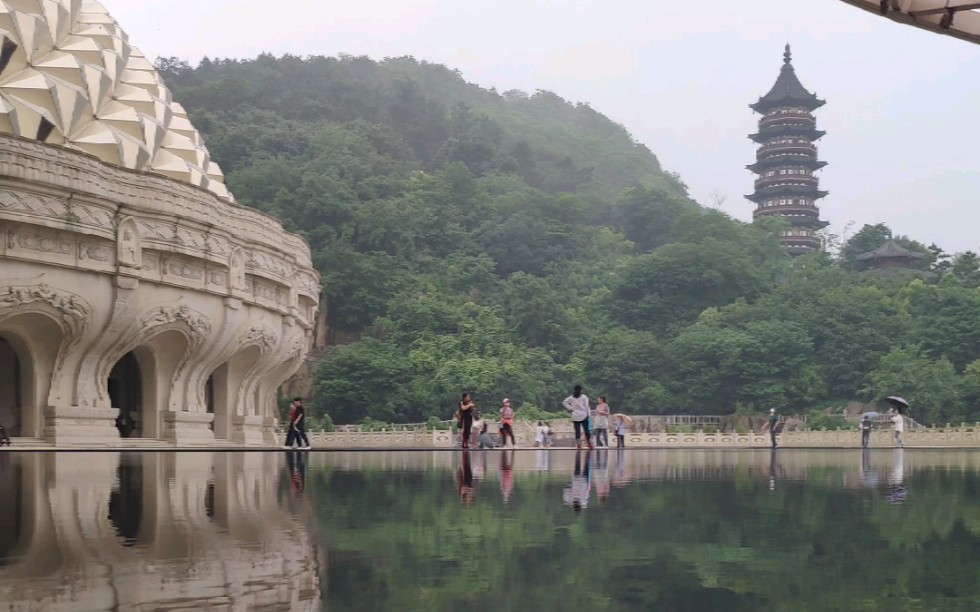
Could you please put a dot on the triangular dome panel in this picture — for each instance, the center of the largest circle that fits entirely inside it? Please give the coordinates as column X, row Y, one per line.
column 73, row 79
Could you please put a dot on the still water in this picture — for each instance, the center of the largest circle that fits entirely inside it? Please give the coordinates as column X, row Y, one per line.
column 502, row 530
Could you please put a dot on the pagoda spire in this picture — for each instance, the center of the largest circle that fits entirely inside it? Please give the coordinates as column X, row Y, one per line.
column 786, row 160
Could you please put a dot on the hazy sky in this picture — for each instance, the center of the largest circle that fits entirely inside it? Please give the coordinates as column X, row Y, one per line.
column 902, row 126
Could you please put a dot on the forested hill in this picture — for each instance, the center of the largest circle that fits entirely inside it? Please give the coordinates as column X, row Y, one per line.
column 513, row 245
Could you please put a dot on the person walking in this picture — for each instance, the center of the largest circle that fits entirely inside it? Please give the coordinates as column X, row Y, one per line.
column 866, row 427
column 297, row 425
column 465, row 414
column 507, row 424
column 578, row 404
column 539, row 435
column 898, row 421
column 773, row 425
column 601, row 425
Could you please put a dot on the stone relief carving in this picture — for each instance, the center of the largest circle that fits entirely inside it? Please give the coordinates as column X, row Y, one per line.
column 196, row 323
column 92, row 215
column 75, row 313
column 264, row 338
column 39, row 241
column 94, row 252
column 151, row 262
column 265, row 292
column 34, row 204
column 236, row 270
column 218, row 278
column 129, row 244
column 183, row 269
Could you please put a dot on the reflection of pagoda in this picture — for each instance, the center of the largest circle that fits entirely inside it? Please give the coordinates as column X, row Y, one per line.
column 787, row 159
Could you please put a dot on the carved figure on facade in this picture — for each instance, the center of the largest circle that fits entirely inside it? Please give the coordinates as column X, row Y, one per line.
column 259, row 336
column 236, row 269
column 197, row 324
column 130, row 244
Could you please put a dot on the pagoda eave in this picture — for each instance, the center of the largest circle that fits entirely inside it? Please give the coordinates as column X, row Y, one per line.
column 786, row 191
column 786, row 160
column 811, row 104
column 766, row 134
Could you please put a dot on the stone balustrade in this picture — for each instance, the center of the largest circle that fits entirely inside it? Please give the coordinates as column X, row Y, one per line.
column 967, row 437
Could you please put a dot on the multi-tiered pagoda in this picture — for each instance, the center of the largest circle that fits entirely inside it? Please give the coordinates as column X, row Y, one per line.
column 786, row 161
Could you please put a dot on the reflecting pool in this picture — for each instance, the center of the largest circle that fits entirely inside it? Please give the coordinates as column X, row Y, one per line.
column 453, row 530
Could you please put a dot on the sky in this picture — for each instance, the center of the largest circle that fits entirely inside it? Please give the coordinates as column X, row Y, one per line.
column 903, row 135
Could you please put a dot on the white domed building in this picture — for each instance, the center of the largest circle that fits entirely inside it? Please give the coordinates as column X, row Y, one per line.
column 137, row 300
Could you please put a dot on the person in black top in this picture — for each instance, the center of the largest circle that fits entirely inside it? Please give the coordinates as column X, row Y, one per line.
column 297, row 425
column 866, row 426
column 4, row 438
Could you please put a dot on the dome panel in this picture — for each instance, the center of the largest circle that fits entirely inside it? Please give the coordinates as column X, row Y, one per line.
column 70, row 77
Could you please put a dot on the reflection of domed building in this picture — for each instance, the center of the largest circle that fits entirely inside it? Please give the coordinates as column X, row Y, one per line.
column 153, row 531
column 136, row 299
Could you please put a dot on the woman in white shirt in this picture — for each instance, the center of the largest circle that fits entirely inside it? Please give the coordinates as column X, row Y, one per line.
column 578, row 404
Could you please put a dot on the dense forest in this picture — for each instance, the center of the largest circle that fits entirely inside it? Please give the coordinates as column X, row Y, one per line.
column 515, row 244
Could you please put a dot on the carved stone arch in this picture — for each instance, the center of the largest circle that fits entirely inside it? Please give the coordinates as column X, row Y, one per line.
column 225, row 383
column 69, row 311
column 289, row 358
column 180, row 317
column 236, row 269
column 129, row 244
column 262, row 337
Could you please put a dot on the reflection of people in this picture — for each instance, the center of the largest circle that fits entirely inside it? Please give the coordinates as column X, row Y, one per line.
column 296, row 462
column 896, row 479
column 576, row 494
column 866, row 426
column 465, row 480
column 773, row 469
column 507, row 423
column 578, row 404
column 506, row 475
column 622, row 477
column 466, row 410
column 869, row 477
column 601, row 474
column 898, row 421
column 543, row 460
column 601, row 425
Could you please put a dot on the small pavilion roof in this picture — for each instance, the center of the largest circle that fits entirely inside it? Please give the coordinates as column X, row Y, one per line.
column 787, row 90
column 890, row 249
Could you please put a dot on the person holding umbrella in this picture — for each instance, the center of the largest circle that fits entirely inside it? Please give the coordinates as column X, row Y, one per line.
column 898, row 421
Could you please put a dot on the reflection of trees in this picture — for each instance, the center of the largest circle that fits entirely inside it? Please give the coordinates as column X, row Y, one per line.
column 723, row 543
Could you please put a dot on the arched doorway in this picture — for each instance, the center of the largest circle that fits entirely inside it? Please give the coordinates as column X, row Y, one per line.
column 11, row 392
column 126, row 394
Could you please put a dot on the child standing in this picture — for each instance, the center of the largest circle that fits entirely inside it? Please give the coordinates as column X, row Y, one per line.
column 622, row 422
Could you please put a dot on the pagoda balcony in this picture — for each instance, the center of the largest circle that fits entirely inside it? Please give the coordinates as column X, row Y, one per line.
column 791, row 119
column 789, row 180
column 804, row 243
column 795, row 148
column 787, row 210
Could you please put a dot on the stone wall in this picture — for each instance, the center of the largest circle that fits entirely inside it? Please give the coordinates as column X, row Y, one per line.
column 215, row 302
